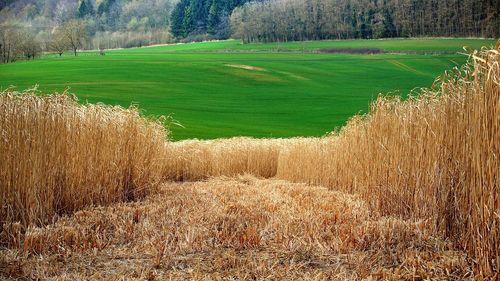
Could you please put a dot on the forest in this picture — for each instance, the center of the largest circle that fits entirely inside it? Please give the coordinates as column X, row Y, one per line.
column 295, row 20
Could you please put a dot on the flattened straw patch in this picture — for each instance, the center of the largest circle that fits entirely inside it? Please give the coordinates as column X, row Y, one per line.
column 247, row 67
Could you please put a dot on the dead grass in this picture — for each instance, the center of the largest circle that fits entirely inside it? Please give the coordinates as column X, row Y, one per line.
column 244, row 228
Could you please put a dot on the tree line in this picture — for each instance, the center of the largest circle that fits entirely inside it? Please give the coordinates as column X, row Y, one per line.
column 291, row 20
column 19, row 42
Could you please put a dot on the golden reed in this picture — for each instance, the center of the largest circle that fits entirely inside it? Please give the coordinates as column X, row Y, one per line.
column 57, row 156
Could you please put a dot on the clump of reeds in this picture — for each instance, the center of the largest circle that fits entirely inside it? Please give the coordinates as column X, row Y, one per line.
column 57, row 156
column 434, row 156
column 191, row 160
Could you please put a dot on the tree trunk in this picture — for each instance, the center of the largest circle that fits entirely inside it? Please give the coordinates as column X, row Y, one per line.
column 75, row 51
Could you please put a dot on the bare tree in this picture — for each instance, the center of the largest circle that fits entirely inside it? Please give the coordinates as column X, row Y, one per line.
column 10, row 40
column 29, row 47
column 58, row 42
column 75, row 32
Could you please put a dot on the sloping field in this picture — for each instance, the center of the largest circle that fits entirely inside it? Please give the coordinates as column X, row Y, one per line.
column 243, row 228
column 283, row 90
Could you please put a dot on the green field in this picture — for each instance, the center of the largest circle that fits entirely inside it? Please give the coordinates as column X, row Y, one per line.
column 226, row 88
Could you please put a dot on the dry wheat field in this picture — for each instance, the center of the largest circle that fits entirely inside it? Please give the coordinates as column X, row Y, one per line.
column 409, row 191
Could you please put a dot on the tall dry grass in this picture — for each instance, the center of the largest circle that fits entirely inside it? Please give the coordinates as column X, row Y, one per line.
column 192, row 160
column 57, row 156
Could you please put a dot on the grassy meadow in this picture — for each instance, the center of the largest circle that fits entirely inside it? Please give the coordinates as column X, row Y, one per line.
column 226, row 88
